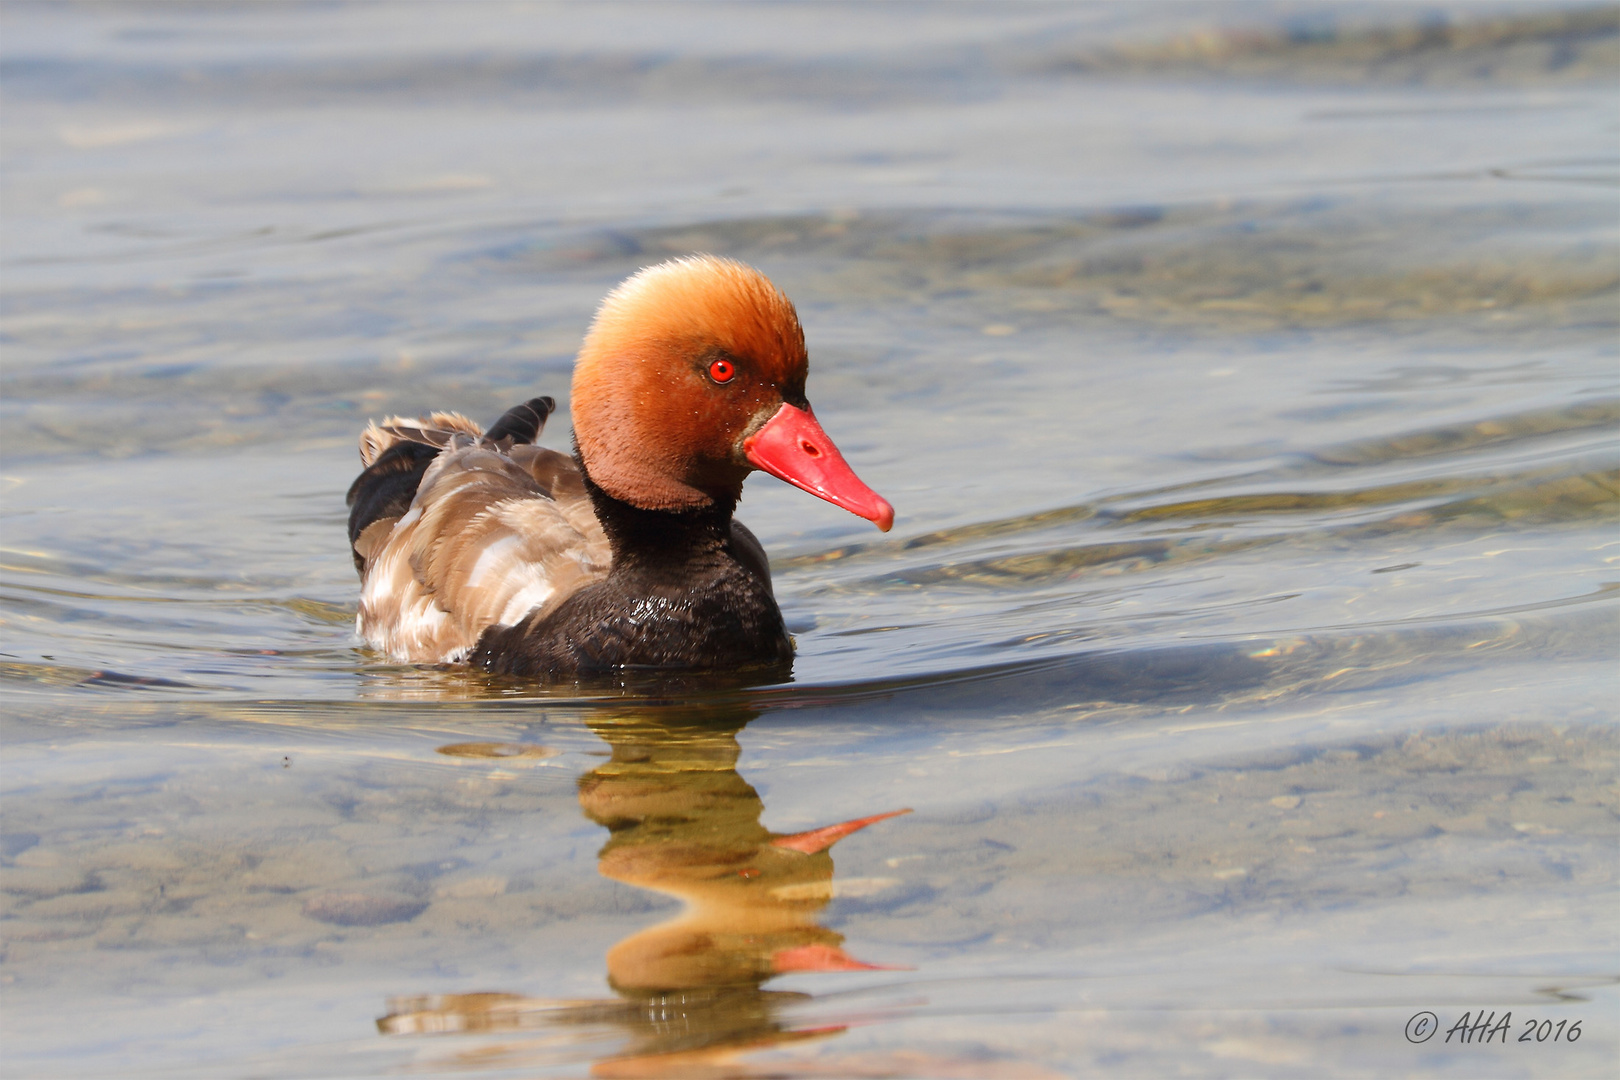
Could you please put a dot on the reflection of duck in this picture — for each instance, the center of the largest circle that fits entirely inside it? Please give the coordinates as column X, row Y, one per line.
column 691, row 990
column 684, row 823
column 479, row 546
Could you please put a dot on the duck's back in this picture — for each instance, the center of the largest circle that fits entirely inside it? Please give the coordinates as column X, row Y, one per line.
column 455, row 530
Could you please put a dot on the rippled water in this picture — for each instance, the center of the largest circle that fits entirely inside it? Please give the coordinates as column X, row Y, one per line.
column 1245, row 380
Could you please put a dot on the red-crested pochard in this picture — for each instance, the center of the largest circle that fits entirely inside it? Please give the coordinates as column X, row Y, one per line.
column 478, row 546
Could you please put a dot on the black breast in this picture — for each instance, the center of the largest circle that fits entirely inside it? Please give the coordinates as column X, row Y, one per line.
column 688, row 590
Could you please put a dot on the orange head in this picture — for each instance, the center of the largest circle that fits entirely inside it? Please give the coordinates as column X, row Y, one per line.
column 693, row 375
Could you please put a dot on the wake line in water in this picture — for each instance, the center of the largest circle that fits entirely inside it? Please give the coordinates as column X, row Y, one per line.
column 1267, row 669
column 1227, row 673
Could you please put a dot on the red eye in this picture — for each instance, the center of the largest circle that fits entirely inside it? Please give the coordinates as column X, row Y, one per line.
column 722, row 371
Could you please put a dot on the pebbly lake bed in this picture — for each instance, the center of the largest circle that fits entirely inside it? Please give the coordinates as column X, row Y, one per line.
column 1244, row 377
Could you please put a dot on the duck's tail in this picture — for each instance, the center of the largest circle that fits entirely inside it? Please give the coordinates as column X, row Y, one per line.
column 397, row 452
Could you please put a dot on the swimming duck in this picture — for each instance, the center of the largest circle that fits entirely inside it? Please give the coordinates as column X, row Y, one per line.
column 478, row 546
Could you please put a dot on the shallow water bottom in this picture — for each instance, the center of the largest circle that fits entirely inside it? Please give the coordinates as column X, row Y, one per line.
column 1256, row 889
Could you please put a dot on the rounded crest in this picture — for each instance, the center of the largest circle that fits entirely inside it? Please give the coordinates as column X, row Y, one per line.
column 655, row 425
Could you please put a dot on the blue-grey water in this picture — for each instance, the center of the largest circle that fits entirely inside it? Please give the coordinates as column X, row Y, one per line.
column 1245, row 380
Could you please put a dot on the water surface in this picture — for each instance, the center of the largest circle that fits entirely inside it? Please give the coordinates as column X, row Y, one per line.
column 1237, row 682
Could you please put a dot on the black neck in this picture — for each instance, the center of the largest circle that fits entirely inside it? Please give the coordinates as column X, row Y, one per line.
column 644, row 538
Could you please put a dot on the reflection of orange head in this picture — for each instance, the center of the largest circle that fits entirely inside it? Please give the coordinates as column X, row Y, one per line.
column 655, row 427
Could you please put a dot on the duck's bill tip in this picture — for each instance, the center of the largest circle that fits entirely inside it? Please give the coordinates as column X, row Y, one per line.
column 792, row 447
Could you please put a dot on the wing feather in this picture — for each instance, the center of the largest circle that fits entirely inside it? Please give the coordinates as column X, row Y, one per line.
column 436, row 429
column 490, row 537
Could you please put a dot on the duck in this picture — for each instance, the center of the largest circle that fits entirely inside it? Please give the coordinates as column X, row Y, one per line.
column 479, row 547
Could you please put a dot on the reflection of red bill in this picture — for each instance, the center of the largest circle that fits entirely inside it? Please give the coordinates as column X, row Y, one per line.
column 823, row 958
column 792, row 447
column 825, row 837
